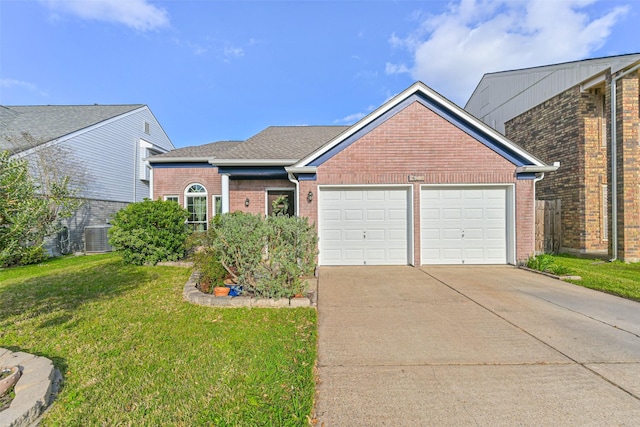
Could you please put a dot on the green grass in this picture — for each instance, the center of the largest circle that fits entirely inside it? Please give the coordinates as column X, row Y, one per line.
column 616, row 277
column 133, row 352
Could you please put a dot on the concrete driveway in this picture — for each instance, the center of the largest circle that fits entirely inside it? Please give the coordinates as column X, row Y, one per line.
column 473, row 346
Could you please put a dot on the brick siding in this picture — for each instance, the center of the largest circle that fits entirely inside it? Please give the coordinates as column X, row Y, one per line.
column 417, row 141
column 568, row 128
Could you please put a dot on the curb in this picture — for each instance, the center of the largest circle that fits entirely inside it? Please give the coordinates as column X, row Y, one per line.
column 35, row 390
column 553, row 276
column 192, row 294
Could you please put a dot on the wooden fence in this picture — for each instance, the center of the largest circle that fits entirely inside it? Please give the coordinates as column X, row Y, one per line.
column 548, row 226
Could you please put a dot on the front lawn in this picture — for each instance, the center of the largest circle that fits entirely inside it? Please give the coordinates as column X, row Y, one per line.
column 132, row 352
column 616, row 278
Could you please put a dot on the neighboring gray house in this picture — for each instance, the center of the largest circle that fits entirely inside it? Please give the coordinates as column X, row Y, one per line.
column 107, row 145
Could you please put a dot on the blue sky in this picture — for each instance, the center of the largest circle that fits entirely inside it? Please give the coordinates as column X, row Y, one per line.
column 224, row 70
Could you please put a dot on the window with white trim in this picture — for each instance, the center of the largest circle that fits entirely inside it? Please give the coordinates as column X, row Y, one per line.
column 171, row 198
column 195, row 200
column 217, row 205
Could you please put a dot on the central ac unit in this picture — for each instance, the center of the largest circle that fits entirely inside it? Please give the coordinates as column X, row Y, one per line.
column 96, row 239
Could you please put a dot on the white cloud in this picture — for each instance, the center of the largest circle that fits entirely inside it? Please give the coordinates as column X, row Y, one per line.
column 137, row 14
column 350, row 119
column 13, row 83
column 231, row 51
column 451, row 51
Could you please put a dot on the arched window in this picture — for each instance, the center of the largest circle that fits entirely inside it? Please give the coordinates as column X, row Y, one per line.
column 195, row 200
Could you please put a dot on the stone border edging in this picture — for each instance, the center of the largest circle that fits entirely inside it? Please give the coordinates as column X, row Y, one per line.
column 35, row 390
column 192, row 294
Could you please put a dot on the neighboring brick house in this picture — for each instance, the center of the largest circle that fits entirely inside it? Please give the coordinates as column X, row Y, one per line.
column 563, row 113
column 418, row 181
column 106, row 143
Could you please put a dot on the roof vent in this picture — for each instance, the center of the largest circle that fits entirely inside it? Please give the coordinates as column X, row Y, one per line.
column 96, row 238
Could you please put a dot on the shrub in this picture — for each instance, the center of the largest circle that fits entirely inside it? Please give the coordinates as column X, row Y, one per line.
column 150, row 232
column 212, row 273
column 267, row 256
column 546, row 263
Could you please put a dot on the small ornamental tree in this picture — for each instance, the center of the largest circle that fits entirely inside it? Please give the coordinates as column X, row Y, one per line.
column 150, row 232
column 30, row 209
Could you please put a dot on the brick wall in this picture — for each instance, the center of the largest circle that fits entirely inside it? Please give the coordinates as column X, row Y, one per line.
column 174, row 181
column 417, row 141
column 628, row 149
column 254, row 190
column 569, row 128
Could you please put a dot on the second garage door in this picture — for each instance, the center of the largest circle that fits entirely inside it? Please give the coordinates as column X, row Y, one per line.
column 364, row 226
column 464, row 225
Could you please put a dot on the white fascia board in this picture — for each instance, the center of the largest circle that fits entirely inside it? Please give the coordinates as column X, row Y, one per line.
column 252, row 162
column 301, row 169
column 538, row 169
column 78, row 132
column 594, row 80
column 179, row 160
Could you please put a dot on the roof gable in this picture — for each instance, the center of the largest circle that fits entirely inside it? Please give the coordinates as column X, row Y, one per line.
column 46, row 123
column 419, row 92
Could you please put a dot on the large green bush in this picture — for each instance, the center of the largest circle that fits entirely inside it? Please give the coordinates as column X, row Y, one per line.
column 267, row 256
column 150, row 232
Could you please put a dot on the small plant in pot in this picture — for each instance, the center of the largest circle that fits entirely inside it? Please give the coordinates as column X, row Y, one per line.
column 212, row 273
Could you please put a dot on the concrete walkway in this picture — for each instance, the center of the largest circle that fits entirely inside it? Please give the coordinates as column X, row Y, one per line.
column 403, row 346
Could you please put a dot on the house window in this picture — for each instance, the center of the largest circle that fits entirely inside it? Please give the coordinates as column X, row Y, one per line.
column 195, row 199
column 602, row 118
column 171, row 199
column 604, row 225
column 147, row 128
column 217, row 205
column 281, row 202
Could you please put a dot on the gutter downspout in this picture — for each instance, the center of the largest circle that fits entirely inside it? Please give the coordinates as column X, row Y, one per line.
column 292, row 178
column 614, row 162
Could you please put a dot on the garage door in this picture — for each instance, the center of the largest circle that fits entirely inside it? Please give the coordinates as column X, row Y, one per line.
column 463, row 225
column 363, row 226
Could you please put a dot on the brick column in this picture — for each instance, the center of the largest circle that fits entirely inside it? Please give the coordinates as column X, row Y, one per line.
column 628, row 171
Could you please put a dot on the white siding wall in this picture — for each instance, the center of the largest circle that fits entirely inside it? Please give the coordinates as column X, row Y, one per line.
column 111, row 154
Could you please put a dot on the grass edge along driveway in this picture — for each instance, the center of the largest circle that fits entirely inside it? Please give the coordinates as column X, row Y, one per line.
column 617, row 278
column 133, row 352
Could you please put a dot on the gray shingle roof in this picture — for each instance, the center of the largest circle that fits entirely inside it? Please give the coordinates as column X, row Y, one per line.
column 48, row 122
column 206, row 151
column 273, row 143
column 285, row 142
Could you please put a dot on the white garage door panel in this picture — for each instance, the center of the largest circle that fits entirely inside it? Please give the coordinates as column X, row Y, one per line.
column 361, row 226
column 463, row 225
